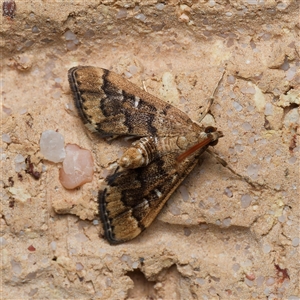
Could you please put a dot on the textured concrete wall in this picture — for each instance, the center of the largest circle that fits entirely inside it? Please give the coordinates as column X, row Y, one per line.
column 217, row 237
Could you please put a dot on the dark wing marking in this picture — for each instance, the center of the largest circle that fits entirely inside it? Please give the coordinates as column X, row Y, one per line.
column 112, row 105
column 127, row 209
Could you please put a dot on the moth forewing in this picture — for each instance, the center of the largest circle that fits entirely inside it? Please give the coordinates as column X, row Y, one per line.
column 168, row 146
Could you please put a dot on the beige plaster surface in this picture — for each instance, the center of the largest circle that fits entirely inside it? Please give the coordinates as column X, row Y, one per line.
column 217, row 237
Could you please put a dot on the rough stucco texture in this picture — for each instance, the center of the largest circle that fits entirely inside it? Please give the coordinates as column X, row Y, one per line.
column 217, row 237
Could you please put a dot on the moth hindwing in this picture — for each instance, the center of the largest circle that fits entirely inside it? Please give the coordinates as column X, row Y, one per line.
column 168, row 144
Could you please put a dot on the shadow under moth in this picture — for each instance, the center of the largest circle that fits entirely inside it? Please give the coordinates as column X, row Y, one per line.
column 166, row 148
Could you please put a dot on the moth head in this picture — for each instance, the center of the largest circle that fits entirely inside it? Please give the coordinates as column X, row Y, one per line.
column 213, row 135
column 209, row 137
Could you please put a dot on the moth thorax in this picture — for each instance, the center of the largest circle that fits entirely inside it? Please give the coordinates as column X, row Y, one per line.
column 140, row 154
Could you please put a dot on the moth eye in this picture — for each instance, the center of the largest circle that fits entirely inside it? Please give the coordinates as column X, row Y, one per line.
column 214, row 143
column 210, row 129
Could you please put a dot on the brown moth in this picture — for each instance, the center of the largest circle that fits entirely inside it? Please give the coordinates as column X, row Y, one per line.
column 166, row 148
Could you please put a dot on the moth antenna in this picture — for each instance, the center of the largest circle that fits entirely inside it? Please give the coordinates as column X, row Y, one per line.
column 211, row 98
column 253, row 184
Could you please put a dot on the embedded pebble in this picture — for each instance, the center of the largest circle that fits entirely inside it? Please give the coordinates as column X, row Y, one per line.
column 237, row 106
column 141, row 17
column 247, row 126
column 122, row 13
column 292, row 117
column 260, row 281
column 252, row 171
column 53, row 245
column 246, row 201
column 6, row 138
column 227, row 222
column 35, row 29
column 79, row 266
column 270, row 281
column 269, row 109
column 290, row 74
column 52, row 146
column 187, row 231
column 266, row 248
column 174, row 209
column 16, row 267
column 70, row 36
column 19, row 163
column 2, row 241
column 95, row 222
column 160, row 6
column 184, row 193
column 249, row 282
column 295, row 242
column 236, row 267
column 200, row 281
column 228, row 192
column 78, row 167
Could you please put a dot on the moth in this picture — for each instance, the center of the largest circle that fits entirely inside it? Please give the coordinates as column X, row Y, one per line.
column 166, row 147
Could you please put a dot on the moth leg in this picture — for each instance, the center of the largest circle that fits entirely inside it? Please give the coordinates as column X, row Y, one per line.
column 211, row 98
column 210, row 102
column 144, row 86
column 112, row 138
column 253, row 184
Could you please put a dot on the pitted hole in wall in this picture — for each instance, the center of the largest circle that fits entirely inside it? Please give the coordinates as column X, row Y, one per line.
column 143, row 288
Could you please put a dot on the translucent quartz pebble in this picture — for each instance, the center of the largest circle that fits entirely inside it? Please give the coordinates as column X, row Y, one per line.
column 52, row 146
column 78, row 167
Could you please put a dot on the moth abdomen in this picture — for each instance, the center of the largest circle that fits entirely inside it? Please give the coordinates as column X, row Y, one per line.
column 140, row 154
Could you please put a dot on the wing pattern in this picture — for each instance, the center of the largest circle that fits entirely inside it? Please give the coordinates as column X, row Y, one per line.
column 133, row 196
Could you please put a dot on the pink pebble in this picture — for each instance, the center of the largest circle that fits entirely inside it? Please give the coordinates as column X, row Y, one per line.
column 78, row 167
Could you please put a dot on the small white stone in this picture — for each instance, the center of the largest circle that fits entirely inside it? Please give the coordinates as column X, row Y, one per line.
column 69, row 35
column 269, row 109
column 246, row 201
column 236, row 267
column 231, row 80
column 295, row 242
column 184, row 193
column 266, row 248
column 122, row 13
column 227, row 222
column 290, row 74
column 79, row 266
column 260, row 281
column 141, row 17
column 252, row 2
column 2, row 241
column 270, row 281
column 6, row 138
column 252, row 171
column 160, row 6
column 19, row 159
column 19, row 163
column 52, row 146
column 247, row 126
column 95, row 222
column 292, row 117
column 228, row 192
column 237, row 106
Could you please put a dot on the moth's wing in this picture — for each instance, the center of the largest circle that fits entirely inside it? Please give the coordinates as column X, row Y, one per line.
column 132, row 199
column 112, row 105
